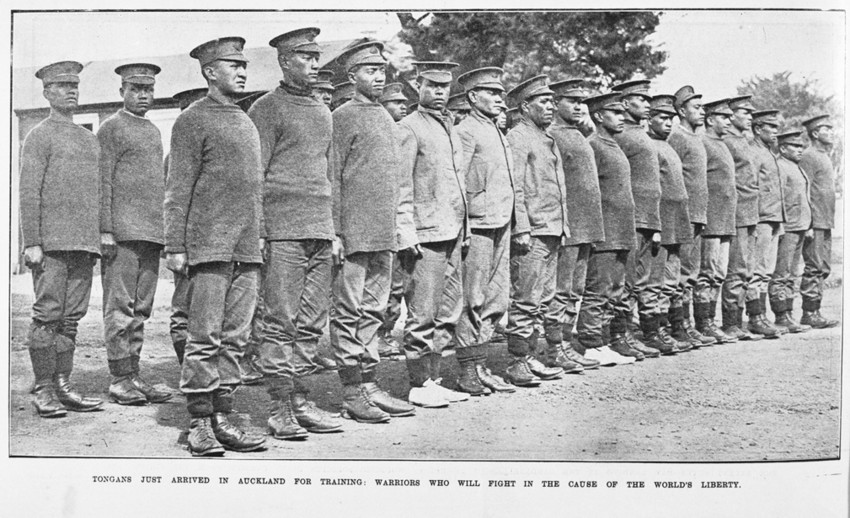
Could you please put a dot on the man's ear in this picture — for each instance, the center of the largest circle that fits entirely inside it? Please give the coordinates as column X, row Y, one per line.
column 596, row 117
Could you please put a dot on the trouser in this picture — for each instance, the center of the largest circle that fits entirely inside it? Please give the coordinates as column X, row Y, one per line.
column 714, row 263
column 393, row 312
column 62, row 288
column 361, row 286
column 781, row 286
column 689, row 254
column 486, row 285
column 604, row 296
column 737, row 287
column 534, row 276
column 670, row 296
column 295, row 294
column 129, row 286
column 434, row 298
column 817, row 255
column 571, row 276
column 767, row 241
column 178, row 323
column 645, row 274
column 222, row 297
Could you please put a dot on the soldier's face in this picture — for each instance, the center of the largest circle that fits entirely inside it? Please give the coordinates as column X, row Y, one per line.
column 693, row 113
column 138, row 99
column 487, row 101
column 301, row 67
column 369, row 80
column 823, row 134
column 228, row 76
column 637, row 106
column 766, row 133
column 540, row 109
column 792, row 152
column 323, row 95
column 62, row 96
column 742, row 119
column 661, row 124
column 570, row 109
column 720, row 123
column 612, row 120
column 502, row 120
column 396, row 109
column 433, row 95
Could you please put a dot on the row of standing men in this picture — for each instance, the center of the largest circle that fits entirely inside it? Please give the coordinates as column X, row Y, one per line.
column 318, row 210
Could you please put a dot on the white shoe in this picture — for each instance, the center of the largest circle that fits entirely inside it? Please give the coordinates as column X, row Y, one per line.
column 429, row 395
column 606, row 357
column 451, row 395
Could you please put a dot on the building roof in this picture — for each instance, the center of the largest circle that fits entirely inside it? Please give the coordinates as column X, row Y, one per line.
column 99, row 83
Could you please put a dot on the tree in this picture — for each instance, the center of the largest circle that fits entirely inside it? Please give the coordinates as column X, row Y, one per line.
column 603, row 47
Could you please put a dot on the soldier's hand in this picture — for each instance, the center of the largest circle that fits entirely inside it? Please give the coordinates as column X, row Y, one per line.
column 177, row 263
column 523, row 241
column 108, row 247
column 34, row 257
column 809, row 233
column 408, row 256
column 656, row 242
column 337, row 251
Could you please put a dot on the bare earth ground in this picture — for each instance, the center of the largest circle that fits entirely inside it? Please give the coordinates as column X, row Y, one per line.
column 767, row 400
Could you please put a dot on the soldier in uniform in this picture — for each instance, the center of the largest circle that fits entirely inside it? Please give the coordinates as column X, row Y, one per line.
column 539, row 231
column 394, row 101
column 645, row 270
column 686, row 141
column 738, row 289
column 131, row 230
column 675, row 220
column 368, row 219
column 459, row 107
column 584, row 204
column 295, row 138
column 60, row 208
column 817, row 250
column 604, row 298
column 771, row 210
column 720, row 220
column 798, row 224
column 431, row 154
column 323, row 90
column 342, row 93
column 213, row 207
column 486, row 166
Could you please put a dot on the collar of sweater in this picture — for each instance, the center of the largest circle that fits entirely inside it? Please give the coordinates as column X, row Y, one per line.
column 443, row 117
column 301, row 91
column 477, row 115
column 655, row 136
column 534, row 127
column 131, row 114
column 559, row 122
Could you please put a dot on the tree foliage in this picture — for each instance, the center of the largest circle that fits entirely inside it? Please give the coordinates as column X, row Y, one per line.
column 603, row 47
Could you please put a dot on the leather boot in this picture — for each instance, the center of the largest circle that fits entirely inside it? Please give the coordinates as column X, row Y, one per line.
column 553, row 356
column 357, row 405
column 784, row 318
column 395, row 407
column 816, row 320
column 312, row 418
column 620, row 345
column 46, row 400
column 664, row 334
column 70, row 398
column 541, row 371
column 692, row 331
column 490, row 380
column 152, row 394
column 232, row 438
column 201, row 440
column 732, row 317
column 652, row 340
column 569, row 351
column 468, row 380
column 123, row 391
column 704, row 314
column 677, row 328
column 758, row 324
column 282, row 422
column 519, row 373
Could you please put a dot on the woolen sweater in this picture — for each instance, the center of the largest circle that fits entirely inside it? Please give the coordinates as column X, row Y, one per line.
column 795, row 191
column 746, row 178
column 675, row 220
column 60, row 187
column 133, row 189
column 618, row 206
column 295, row 138
column 643, row 164
column 691, row 150
column 214, row 185
column 770, row 187
column 722, row 195
column 818, row 167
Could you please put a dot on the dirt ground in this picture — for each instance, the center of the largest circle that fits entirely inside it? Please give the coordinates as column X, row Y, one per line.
column 766, row 400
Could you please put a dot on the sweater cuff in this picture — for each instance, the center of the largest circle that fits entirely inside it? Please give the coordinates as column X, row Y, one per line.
column 175, row 249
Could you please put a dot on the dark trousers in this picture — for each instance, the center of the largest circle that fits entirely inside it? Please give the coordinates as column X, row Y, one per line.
column 129, row 285
column 486, row 285
column 62, row 290
column 179, row 321
column 817, row 255
column 604, row 295
column 295, row 290
column 434, row 297
column 393, row 312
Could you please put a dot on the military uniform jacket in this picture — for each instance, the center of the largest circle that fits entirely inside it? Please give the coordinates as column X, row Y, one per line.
column 643, row 163
column 133, row 188
column 618, row 207
column 722, row 194
column 487, row 166
column 60, row 187
column 818, row 167
column 213, row 192
column 795, row 190
column 540, row 177
column 691, row 150
column 431, row 158
column 746, row 178
column 675, row 220
column 584, row 201
column 770, row 187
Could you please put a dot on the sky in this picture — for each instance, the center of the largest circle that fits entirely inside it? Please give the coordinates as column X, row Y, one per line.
column 712, row 50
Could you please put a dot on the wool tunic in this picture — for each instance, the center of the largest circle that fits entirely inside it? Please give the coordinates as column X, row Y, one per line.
column 770, row 186
column 675, row 220
column 133, row 188
column 691, row 150
column 618, row 207
column 746, row 178
column 818, row 168
column 643, row 164
column 60, row 187
column 213, row 193
column 722, row 194
column 795, row 190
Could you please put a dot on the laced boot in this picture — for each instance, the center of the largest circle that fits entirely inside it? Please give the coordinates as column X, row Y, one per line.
column 70, row 398
column 491, row 381
column 783, row 317
column 733, row 324
column 282, row 422
column 664, row 334
column 569, row 351
column 554, row 354
column 123, row 391
column 202, row 441
column 151, row 393
column 652, row 339
column 536, row 366
column 758, row 324
column 812, row 316
column 382, row 399
column 46, row 400
column 232, row 438
column 468, row 380
column 312, row 418
column 704, row 314
column 519, row 373
column 356, row 405
column 692, row 331
column 676, row 318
